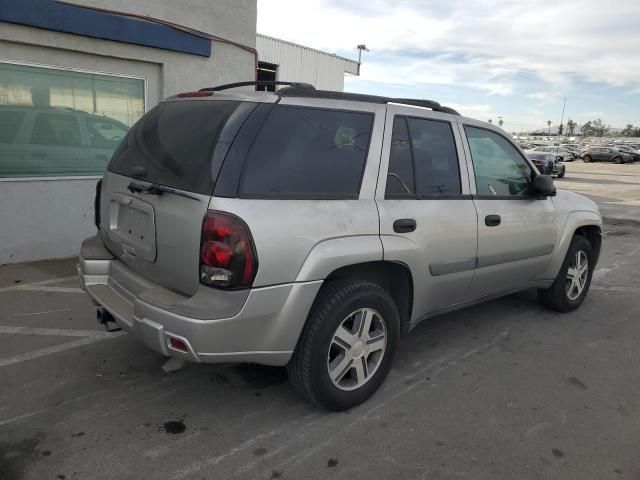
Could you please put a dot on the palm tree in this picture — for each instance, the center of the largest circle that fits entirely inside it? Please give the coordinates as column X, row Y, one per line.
column 500, row 122
column 490, row 121
column 571, row 126
column 549, row 125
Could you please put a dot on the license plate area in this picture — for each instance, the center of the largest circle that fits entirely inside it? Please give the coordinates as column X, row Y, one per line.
column 132, row 226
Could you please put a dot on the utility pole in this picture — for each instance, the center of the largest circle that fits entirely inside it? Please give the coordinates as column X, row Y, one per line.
column 360, row 48
column 563, row 105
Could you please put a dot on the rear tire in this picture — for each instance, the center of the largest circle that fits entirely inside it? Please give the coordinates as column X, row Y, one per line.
column 586, row 159
column 572, row 283
column 618, row 160
column 561, row 173
column 339, row 361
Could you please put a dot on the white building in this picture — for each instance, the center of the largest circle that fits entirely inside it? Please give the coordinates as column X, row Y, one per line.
column 282, row 60
column 75, row 75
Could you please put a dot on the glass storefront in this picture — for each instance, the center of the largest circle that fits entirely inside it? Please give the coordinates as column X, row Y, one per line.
column 64, row 123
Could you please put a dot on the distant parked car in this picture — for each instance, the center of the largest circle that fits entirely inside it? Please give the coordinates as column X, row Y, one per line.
column 44, row 141
column 605, row 154
column 634, row 152
column 547, row 163
column 561, row 153
column 573, row 149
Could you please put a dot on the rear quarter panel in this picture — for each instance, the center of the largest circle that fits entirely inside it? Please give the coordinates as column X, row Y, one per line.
column 289, row 233
column 305, row 240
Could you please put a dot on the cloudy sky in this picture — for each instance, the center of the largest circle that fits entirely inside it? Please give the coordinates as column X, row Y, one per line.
column 488, row 58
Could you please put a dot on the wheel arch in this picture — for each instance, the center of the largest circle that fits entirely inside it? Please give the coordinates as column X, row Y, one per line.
column 394, row 277
column 582, row 222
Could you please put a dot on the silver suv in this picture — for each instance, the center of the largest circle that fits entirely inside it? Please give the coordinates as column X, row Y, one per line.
column 310, row 228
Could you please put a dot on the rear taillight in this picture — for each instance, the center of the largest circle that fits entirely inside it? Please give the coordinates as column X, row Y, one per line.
column 227, row 254
column 96, row 204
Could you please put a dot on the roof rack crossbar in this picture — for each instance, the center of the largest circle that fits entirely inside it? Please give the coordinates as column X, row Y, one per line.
column 257, row 83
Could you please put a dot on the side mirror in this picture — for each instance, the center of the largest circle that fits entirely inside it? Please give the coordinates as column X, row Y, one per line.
column 542, row 186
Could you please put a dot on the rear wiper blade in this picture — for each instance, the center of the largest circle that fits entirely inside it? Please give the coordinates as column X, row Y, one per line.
column 156, row 189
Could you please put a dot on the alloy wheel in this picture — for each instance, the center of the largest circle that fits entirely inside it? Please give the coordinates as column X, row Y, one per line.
column 577, row 275
column 357, row 348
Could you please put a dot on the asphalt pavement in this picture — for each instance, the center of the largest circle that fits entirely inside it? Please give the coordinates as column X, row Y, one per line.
column 503, row 390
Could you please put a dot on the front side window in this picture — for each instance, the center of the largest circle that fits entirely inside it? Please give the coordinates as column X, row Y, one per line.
column 423, row 161
column 499, row 168
column 307, row 153
column 105, row 133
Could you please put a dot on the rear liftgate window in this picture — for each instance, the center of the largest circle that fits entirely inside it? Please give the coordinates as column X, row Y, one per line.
column 307, row 153
column 173, row 145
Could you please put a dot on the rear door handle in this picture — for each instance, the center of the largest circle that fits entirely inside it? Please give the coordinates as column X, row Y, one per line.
column 492, row 220
column 404, row 225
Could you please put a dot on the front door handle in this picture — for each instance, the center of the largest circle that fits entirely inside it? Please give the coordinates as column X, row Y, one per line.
column 404, row 225
column 492, row 220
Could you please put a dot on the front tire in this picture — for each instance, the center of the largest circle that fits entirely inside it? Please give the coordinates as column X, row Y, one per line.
column 586, row 159
column 347, row 346
column 570, row 287
column 618, row 160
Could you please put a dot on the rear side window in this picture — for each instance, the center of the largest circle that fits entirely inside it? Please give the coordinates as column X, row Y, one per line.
column 400, row 183
column 59, row 129
column 173, row 144
column 307, row 153
column 423, row 161
column 10, row 122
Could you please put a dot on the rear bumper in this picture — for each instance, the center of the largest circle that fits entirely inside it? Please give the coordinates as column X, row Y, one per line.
column 260, row 325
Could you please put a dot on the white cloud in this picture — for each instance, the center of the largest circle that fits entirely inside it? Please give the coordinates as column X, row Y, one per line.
column 552, row 38
column 531, row 48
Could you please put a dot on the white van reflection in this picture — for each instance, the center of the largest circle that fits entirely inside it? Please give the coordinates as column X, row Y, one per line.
column 55, row 141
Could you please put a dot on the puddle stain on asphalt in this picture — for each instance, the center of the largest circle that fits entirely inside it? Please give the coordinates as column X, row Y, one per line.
column 577, row 382
column 16, row 457
column 258, row 452
column 332, row 462
column 174, row 427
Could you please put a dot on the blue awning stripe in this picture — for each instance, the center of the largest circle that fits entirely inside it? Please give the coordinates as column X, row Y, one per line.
column 62, row 17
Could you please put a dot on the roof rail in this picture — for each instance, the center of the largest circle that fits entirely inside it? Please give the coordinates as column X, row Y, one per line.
column 227, row 86
column 294, row 91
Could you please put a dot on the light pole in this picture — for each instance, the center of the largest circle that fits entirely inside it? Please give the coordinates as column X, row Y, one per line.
column 564, row 103
column 362, row 47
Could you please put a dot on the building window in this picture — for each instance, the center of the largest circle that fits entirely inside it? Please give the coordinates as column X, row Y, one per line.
column 266, row 73
column 56, row 122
